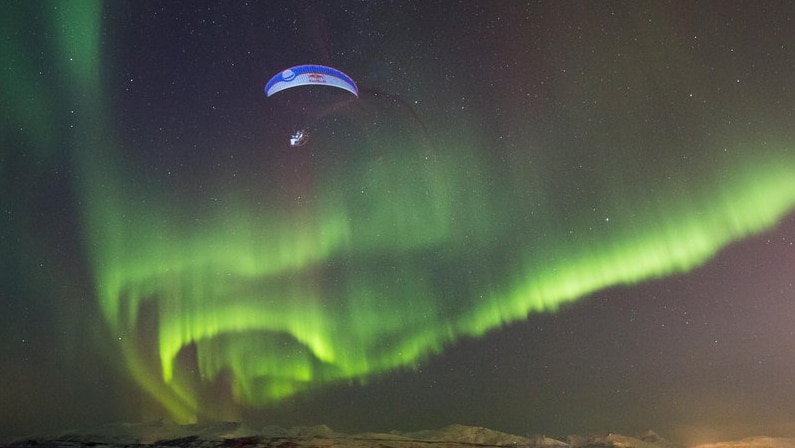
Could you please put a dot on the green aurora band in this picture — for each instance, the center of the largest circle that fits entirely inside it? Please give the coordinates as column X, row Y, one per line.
column 390, row 261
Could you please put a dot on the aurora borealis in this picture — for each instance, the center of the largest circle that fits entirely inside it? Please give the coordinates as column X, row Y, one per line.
column 519, row 179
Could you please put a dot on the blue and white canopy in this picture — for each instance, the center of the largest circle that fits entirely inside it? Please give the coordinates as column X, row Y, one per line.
column 302, row 75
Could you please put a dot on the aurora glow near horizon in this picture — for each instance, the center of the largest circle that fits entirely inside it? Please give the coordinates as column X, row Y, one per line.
column 277, row 275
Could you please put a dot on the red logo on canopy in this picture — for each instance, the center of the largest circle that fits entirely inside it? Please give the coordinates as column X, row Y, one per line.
column 316, row 77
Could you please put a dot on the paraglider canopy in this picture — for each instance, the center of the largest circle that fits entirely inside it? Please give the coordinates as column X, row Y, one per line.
column 302, row 75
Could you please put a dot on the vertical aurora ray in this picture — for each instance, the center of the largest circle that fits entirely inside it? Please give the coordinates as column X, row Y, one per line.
column 391, row 259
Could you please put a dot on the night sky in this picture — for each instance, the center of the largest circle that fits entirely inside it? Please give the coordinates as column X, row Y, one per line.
column 538, row 217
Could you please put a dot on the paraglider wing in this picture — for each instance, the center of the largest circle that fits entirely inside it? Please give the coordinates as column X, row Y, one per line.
column 302, row 75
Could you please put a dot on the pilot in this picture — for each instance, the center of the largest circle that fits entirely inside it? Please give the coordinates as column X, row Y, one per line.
column 299, row 138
